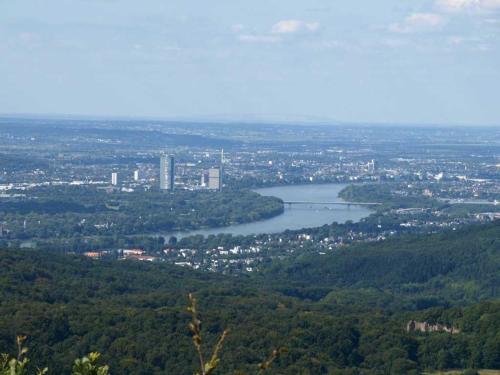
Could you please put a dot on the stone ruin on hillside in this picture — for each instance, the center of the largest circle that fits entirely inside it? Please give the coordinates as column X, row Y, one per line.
column 414, row 326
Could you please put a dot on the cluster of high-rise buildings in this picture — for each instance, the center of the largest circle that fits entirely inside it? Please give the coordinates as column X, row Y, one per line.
column 115, row 177
column 211, row 179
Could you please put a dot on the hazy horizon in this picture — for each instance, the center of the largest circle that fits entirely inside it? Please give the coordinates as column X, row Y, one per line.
column 431, row 62
column 225, row 120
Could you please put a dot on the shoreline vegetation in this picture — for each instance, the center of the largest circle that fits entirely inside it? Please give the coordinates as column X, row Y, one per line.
column 88, row 212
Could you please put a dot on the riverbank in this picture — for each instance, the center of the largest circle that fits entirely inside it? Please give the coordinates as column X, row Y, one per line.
column 294, row 217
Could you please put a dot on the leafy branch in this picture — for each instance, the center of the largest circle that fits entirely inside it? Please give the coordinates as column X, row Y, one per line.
column 18, row 365
column 209, row 367
column 195, row 327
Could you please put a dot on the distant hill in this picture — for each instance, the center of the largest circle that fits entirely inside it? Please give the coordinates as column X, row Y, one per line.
column 119, row 132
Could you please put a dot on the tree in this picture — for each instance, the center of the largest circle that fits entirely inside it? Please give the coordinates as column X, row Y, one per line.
column 88, row 366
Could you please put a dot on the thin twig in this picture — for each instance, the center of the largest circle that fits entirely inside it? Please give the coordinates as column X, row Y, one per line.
column 196, row 330
column 267, row 364
column 195, row 327
column 20, row 350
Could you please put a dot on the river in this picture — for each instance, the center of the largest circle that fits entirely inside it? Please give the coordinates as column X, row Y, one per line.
column 296, row 216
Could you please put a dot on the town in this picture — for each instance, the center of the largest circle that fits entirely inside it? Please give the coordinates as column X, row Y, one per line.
column 423, row 181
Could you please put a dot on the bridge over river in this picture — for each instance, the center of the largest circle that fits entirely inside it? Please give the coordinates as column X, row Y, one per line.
column 332, row 203
column 309, row 213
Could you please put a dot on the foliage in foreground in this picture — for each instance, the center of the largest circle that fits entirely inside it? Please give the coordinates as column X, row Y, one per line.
column 208, row 367
column 19, row 365
column 88, row 364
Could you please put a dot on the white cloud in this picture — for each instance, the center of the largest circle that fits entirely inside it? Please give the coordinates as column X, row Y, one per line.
column 238, row 28
column 491, row 21
column 250, row 38
column 419, row 22
column 471, row 43
column 468, row 5
column 278, row 32
column 330, row 44
column 394, row 43
column 456, row 40
column 294, row 26
column 456, row 5
column 28, row 37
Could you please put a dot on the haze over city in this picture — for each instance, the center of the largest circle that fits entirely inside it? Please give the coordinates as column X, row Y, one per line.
column 418, row 62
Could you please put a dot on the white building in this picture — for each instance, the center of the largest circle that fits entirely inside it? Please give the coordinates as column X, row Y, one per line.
column 167, row 172
column 114, row 178
column 215, row 179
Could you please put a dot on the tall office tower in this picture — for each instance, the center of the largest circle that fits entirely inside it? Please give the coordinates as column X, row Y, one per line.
column 204, row 179
column 215, row 179
column 167, row 172
column 372, row 166
column 114, row 178
column 136, row 175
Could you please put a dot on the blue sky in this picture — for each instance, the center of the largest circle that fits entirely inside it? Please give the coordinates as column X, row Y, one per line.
column 410, row 61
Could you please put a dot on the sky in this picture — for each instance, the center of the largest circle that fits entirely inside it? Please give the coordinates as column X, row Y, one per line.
column 383, row 61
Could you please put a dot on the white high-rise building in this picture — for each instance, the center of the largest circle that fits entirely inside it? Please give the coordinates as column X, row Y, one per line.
column 167, row 172
column 204, row 179
column 215, row 179
column 114, row 178
column 372, row 166
column 136, row 175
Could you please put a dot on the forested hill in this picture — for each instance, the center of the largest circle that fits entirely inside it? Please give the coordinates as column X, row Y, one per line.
column 69, row 212
column 132, row 312
column 135, row 313
column 446, row 268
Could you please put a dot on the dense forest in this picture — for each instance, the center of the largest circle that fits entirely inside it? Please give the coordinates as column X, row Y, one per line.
column 424, row 271
column 341, row 314
column 382, row 193
column 69, row 212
